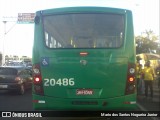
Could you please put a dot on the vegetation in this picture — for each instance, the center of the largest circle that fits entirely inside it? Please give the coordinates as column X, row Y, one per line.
column 147, row 43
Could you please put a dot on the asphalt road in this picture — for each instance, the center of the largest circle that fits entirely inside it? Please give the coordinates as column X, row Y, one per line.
column 11, row 101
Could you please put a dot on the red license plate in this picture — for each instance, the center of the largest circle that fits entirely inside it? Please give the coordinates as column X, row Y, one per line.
column 84, row 92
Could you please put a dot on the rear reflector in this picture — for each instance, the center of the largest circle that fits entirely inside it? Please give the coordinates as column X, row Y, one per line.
column 83, row 53
column 130, row 102
column 35, row 101
column 38, row 101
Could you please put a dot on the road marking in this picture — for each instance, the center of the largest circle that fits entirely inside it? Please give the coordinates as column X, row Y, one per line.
column 141, row 107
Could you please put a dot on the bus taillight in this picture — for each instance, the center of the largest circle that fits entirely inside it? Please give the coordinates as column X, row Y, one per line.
column 131, row 81
column 37, row 79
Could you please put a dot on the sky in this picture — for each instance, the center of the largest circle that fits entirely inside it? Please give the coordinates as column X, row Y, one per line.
column 19, row 37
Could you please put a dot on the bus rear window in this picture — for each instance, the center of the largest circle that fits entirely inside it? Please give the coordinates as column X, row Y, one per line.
column 84, row 30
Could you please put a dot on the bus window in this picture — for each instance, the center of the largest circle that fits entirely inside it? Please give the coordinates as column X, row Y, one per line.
column 102, row 29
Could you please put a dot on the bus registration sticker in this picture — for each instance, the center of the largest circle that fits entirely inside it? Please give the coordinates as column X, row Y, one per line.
column 84, row 92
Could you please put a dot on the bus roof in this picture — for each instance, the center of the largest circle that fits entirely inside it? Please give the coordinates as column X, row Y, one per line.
column 84, row 9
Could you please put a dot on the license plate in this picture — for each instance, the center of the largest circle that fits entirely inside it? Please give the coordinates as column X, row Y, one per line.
column 84, row 92
column 3, row 86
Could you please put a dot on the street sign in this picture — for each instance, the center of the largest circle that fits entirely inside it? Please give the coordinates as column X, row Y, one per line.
column 26, row 17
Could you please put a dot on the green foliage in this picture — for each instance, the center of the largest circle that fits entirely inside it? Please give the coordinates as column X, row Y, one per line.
column 146, row 43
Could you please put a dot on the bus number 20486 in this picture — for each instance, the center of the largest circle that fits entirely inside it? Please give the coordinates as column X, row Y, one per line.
column 59, row 82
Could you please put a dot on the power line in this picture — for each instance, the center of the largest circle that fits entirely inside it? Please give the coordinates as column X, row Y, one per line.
column 9, row 18
column 5, row 21
column 10, row 28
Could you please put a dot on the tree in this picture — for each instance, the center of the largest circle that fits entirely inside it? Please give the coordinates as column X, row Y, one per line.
column 146, row 42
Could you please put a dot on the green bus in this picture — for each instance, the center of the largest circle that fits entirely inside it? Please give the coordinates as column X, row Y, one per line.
column 84, row 59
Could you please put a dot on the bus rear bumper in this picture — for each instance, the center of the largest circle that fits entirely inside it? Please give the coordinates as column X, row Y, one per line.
column 52, row 103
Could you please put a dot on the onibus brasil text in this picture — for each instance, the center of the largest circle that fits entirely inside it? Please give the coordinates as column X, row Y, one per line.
column 17, row 114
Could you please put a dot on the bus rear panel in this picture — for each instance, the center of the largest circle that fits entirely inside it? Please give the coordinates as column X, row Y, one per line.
column 84, row 59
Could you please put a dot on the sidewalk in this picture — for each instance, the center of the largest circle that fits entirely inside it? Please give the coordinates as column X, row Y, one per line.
column 147, row 104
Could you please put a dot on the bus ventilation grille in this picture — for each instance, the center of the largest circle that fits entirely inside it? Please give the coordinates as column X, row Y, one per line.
column 84, row 102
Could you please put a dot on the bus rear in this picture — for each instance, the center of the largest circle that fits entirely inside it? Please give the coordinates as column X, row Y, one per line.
column 84, row 59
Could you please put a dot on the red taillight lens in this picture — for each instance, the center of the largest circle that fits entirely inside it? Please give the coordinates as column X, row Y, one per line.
column 131, row 81
column 37, row 79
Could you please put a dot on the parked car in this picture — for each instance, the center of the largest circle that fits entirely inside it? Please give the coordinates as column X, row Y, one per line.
column 15, row 78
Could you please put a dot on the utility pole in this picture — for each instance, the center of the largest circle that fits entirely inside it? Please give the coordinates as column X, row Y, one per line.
column 5, row 20
column 22, row 18
column 3, row 51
